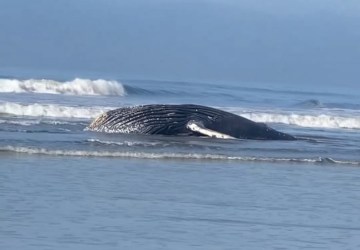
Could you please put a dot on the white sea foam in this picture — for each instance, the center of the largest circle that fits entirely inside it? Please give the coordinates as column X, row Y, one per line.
column 124, row 143
column 37, row 121
column 19, row 122
column 302, row 120
column 164, row 156
column 50, row 110
column 77, row 86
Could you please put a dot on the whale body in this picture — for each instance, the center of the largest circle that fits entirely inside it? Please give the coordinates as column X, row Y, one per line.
column 186, row 120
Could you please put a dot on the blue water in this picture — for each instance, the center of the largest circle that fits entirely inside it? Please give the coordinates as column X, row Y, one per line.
column 93, row 203
column 289, row 64
column 63, row 187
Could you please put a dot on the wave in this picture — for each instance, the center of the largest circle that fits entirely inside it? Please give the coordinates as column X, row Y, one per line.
column 173, row 156
column 124, row 143
column 309, row 121
column 77, row 86
column 37, row 122
column 317, row 104
column 302, row 120
column 21, row 123
column 50, row 110
column 311, row 103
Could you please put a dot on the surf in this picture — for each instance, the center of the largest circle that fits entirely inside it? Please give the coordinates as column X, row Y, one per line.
column 77, row 86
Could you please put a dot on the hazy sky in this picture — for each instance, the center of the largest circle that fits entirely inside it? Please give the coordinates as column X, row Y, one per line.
column 245, row 40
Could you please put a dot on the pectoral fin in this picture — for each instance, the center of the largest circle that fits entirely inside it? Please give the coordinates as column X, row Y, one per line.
column 198, row 127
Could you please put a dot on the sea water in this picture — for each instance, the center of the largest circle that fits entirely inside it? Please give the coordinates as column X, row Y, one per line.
column 62, row 187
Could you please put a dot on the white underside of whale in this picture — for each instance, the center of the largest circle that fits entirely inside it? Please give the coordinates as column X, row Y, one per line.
column 199, row 128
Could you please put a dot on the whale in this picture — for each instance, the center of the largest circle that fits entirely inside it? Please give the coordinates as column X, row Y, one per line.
column 183, row 120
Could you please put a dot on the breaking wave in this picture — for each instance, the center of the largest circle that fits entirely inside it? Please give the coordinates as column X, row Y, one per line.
column 165, row 156
column 124, row 143
column 302, row 120
column 50, row 110
column 310, row 121
column 37, row 122
column 77, row 86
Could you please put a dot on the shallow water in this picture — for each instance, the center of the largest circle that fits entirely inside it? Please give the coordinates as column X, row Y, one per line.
column 65, row 187
column 90, row 203
column 50, row 117
column 289, row 64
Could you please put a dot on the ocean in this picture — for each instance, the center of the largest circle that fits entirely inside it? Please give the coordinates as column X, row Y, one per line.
column 62, row 187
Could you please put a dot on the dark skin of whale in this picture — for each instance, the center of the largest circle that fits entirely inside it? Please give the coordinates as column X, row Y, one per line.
column 163, row 119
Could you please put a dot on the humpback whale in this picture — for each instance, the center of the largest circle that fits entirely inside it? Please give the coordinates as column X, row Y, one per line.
column 185, row 119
